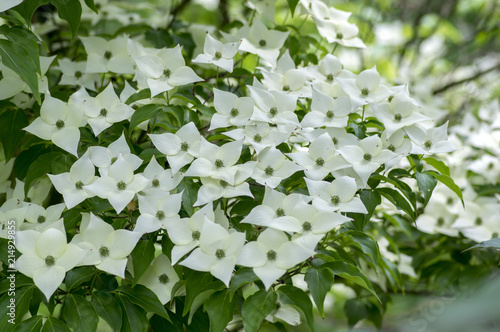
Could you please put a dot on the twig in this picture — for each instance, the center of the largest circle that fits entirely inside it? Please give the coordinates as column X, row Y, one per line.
column 470, row 78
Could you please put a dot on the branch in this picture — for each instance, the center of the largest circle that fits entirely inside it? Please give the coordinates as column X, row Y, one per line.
column 470, row 78
column 177, row 10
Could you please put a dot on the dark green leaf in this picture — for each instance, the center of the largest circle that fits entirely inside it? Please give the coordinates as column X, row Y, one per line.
column 78, row 276
column 79, row 313
column 367, row 244
column 28, row 7
column 70, row 11
column 108, row 308
column 297, row 298
column 143, row 94
column 220, row 309
column 493, row 243
column 26, row 40
column 53, row 324
column 438, row 165
column 292, row 4
column 23, row 297
column 17, row 59
column 11, row 133
column 142, row 256
column 52, row 162
column 319, row 281
column 32, row 324
column 355, row 311
column 144, row 113
column 134, row 318
column 196, row 282
column 242, row 277
column 447, row 181
column 91, row 5
column 426, row 184
column 144, row 298
column 397, row 200
column 256, row 307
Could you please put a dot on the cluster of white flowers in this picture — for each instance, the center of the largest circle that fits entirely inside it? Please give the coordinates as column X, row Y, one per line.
column 336, row 163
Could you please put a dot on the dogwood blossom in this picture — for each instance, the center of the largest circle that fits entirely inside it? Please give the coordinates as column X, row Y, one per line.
column 338, row 195
column 217, row 53
column 157, row 212
column 430, row 141
column 326, row 111
column 231, row 110
column 107, row 55
column 160, row 181
column 160, row 277
column 273, row 167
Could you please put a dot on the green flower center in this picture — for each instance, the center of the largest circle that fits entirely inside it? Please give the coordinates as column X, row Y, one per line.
column 330, row 77
column 367, row 157
column 273, row 111
column 217, row 55
column 113, row 160
column 335, row 200
column 257, row 138
column 269, row 171
column 234, row 112
column 365, row 92
column 428, row 144
column 320, row 162
column 196, row 235
column 280, row 212
column 271, row 255
column 121, row 185
column 219, row 163
column 104, row 251
column 392, row 148
column 478, row 221
column 449, row 201
column 41, row 219
column 306, row 226
column 59, row 124
column 335, row 141
column 219, row 253
column 440, row 221
column 50, row 260
column 339, row 36
column 390, row 98
column 398, row 117
column 78, row 74
column 163, row 279
column 167, row 73
column 155, row 183
column 160, row 215
column 103, row 112
column 262, row 43
column 184, row 146
column 330, row 114
column 223, row 184
column 286, row 88
column 108, row 55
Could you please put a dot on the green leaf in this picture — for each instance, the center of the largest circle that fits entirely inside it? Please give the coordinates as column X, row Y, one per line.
column 397, row 200
column 78, row 276
column 108, row 308
column 144, row 298
column 53, row 162
column 17, row 59
column 319, row 281
column 70, row 11
column 292, row 4
column 134, row 318
column 28, row 7
column 142, row 256
column 161, row 324
column 220, row 309
column 426, row 184
column 26, row 40
column 350, row 272
column 447, row 181
column 23, row 297
column 79, row 313
column 91, row 5
column 438, row 165
column 243, row 276
column 189, row 191
column 196, row 282
column 200, row 299
column 297, row 298
column 256, row 307
column 143, row 94
column 144, row 113
column 355, row 311
column 53, row 324
column 367, row 244
column 493, row 243
column 32, row 324
column 11, row 133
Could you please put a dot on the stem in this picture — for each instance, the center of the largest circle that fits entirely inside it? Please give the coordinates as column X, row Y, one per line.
column 319, row 44
column 255, row 69
column 335, row 47
column 363, row 115
column 217, row 77
column 416, row 164
column 251, row 18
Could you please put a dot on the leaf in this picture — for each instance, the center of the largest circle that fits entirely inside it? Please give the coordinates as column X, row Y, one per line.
column 11, row 133
column 144, row 298
column 242, row 277
column 196, row 282
column 134, row 318
column 426, row 184
column 43, row 165
column 355, row 311
column 297, row 298
column 438, row 165
column 79, row 313
column 367, row 244
column 161, row 324
column 26, row 40
column 319, row 281
column 292, row 4
column 143, row 94
column 350, row 272
column 53, row 324
column 144, row 113
column 91, row 5
column 447, row 181
column 220, row 309
column 256, row 307
column 70, row 11
column 189, row 191
column 108, row 308
column 32, row 324
column 397, row 200
column 78, row 276
column 142, row 256
column 23, row 297
column 17, row 59
column 27, row 8
column 493, row 243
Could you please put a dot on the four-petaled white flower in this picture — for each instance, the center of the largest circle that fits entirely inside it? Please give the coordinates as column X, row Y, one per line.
column 326, row 111
column 231, row 110
column 160, row 277
column 430, row 141
column 217, row 53
column 273, row 167
column 107, row 55
column 157, row 212
column 160, row 181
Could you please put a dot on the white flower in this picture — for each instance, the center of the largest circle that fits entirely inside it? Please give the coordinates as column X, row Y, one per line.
column 120, row 185
column 165, row 70
column 218, row 251
column 430, row 141
column 107, row 56
column 479, row 220
column 160, row 181
column 181, row 147
column 160, row 277
column 73, row 73
column 231, row 110
column 274, row 107
column 46, row 257
column 218, row 54
column 326, row 111
column 260, row 135
column 398, row 144
column 271, row 255
column 273, row 167
column 39, row 218
column 59, row 123
column 285, row 313
column 338, row 195
column 72, row 184
column 265, row 8
column 107, row 248
column 157, row 212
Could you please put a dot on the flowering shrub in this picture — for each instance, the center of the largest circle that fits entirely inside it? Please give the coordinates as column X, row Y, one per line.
column 166, row 174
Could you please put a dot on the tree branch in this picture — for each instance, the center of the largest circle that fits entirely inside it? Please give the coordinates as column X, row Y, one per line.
column 470, row 78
